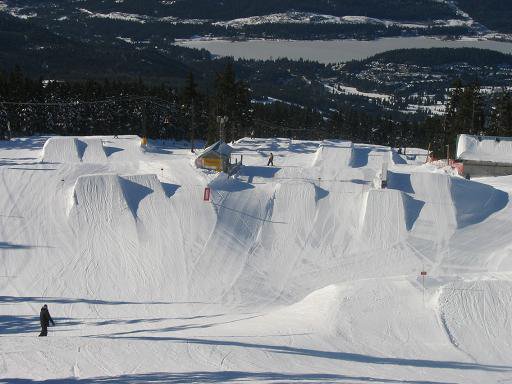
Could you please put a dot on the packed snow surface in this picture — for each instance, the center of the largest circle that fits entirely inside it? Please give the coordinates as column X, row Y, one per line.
column 485, row 148
column 306, row 271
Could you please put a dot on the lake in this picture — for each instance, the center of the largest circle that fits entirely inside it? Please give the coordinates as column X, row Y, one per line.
column 331, row 51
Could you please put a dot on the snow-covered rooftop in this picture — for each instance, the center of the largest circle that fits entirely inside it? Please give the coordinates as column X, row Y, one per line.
column 491, row 149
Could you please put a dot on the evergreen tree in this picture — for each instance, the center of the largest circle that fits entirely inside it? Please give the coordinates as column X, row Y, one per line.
column 3, row 122
column 189, row 107
column 232, row 100
column 472, row 110
column 453, row 119
column 501, row 114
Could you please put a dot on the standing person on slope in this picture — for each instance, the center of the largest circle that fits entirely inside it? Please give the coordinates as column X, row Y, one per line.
column 45, row 319
column 270, row 160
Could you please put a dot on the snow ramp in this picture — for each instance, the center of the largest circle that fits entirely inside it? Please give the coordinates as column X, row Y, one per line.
column 349, row 310
column 261, row 238
column 285, row 244
column 384, row 218
column 474, row 201
column 241, row 212
column 370, row 156
column 108, row 196
column 94, row 151
column 448, row 203
column 332, row 155
column 73, row 150
column 116, row 220
column 437, row 220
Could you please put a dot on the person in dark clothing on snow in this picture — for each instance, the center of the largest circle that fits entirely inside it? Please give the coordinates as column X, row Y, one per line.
column 45, row 319
column 271, row 160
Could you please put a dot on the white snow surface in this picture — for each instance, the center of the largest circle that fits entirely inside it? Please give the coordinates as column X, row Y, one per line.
column 485, row 148
column 340, row 89
column 302, row 272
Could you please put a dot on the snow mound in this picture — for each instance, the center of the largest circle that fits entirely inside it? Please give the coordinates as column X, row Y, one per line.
column 332, row 155
column 112, row 212
column 110, row 196
column 438, row 216
column 443, row 204
column 61, row 150
column 349, row 310
column 94, row 151
column 474, row 201
column 73, row 150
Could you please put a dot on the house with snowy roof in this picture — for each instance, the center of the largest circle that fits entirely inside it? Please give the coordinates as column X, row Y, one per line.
column 485, row 155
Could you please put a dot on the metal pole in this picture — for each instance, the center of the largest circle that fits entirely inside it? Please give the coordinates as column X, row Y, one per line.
column 219, row 122
column 192, row 128
column 423, row 282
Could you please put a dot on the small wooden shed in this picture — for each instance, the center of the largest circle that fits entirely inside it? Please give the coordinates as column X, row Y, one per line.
column 216, row 157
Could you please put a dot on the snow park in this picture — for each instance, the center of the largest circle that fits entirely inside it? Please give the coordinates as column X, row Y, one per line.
column 342, row 263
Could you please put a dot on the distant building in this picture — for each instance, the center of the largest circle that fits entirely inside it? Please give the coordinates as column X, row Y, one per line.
column 216, row 157
column 485, row 155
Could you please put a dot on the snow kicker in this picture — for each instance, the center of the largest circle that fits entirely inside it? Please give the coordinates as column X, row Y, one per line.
column 73, row 150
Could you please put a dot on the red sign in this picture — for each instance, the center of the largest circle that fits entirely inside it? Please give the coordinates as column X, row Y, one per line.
column 206, row 196
column 459, row 167
column 423, row 273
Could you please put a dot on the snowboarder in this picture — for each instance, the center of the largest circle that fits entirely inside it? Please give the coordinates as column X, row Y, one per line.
column 270, row 160
column 45, row 319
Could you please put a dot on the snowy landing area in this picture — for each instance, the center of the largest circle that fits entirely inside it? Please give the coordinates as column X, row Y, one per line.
column 302, row 272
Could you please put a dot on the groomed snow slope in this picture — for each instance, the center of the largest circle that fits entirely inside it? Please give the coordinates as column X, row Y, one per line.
column 299, row 272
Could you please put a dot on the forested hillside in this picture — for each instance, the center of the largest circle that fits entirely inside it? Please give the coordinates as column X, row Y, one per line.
column 495, row 14
column 393, row 9
column 437, row 56
column 42, row 52
column 232, row 9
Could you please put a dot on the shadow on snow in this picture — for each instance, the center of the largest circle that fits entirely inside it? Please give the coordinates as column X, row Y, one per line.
column 226, row 377
column 341, row 356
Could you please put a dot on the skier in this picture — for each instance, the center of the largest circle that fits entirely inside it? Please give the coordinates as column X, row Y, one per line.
column 270, row 160
column 45, row 319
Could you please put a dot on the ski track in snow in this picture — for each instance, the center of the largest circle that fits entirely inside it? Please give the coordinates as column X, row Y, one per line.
column 299, row 272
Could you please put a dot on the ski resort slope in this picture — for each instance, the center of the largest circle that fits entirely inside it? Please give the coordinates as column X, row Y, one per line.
column 302, row 272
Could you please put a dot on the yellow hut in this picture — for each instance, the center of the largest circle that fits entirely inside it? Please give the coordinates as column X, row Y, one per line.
column 216, row 157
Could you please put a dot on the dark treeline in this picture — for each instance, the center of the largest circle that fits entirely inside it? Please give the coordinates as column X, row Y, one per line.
column 344, row 31
column 29, row 107
column 435, row 57
column 467, row 111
